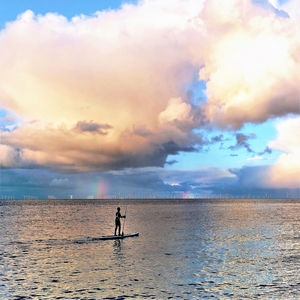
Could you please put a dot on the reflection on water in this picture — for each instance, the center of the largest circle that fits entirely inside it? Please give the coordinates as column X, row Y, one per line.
column 186, row 249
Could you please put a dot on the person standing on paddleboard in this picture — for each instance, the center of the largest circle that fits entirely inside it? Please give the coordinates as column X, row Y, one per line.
column 118, row 221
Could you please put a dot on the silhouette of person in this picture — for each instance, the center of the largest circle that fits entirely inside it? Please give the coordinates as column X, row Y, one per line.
column 118, row 221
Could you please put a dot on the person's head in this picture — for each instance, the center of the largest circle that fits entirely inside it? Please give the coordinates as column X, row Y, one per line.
column 118, row 208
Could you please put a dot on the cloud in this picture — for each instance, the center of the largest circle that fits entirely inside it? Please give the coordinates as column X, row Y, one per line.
column 91, row 126
column 142, row 131
column 286, row 171
column 176, row 111
column 63, row 182
column 217, row 138
column 267, row 150
column 129, row 75
column 252, row 63
column 272, row 5
column 12, row 157
column 139, row 182
column 255, row 177
column 241, row 142
column 9, row 157
column 292, row 8
column 255, row 158
column 103, row 68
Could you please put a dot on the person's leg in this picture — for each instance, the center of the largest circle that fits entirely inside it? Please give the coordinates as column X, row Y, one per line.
column 116, row 226
column 119, row 228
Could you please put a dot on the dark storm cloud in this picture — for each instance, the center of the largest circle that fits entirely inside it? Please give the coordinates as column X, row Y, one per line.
column 155, row 158
column 172, row 148
column 20, row 182
column 155, row 182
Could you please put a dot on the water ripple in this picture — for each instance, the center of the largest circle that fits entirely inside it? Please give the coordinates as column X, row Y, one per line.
column 186, row 250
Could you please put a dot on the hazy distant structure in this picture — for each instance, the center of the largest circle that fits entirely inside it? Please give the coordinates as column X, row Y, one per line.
column 7, row 197
column 29, row 197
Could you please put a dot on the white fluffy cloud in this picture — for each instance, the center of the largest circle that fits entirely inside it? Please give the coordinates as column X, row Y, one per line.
column 117, row 69
column 286, row 171
column 292, row 7
column 252, row 65
column 108, row 91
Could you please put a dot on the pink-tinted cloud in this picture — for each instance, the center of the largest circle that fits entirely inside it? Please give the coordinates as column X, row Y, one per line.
column 83, row 87
column 252, row 63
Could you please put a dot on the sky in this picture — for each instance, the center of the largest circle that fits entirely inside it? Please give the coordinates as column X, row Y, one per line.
column 153, row 98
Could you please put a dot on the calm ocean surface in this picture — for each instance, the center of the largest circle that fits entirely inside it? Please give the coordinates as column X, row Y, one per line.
column 187, row 249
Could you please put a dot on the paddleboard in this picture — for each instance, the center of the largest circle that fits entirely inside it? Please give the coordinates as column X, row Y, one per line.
column 116, row 237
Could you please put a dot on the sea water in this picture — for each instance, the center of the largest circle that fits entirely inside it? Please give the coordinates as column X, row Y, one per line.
column 187, row 249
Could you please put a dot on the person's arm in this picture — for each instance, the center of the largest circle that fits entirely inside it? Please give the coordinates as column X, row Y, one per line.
column 123, row 216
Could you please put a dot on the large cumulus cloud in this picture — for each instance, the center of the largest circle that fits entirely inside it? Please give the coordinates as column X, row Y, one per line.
column 253, row 62
column 118, row 72
column 108, row 91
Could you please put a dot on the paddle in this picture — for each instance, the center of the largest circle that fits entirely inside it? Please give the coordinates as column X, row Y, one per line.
column 124, row 220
